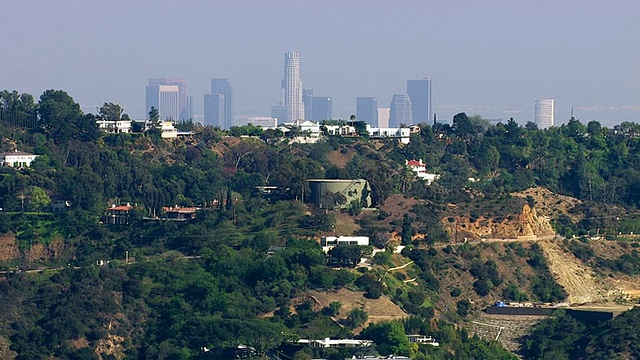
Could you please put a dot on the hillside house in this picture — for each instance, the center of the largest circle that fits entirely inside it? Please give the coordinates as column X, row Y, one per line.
column 329, row 242
column 177, row 213
column 115, row 126
column 119, row 215
column 336, row 343
column 420, row 169
column 341, row 130
column 404, row 134
column 17, row 159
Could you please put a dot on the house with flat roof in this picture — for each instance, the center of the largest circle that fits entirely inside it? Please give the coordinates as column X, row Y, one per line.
column 177, row 213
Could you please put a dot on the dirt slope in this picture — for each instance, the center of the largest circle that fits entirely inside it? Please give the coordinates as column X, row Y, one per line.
column 576, row 278
column 378, row 309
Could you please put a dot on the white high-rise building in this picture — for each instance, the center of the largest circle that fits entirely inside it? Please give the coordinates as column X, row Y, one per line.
column 165, row 98
column 544, row 113
column 293, row 86
column 154, row 83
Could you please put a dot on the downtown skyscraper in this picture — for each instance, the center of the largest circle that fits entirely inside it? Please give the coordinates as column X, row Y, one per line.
column 419, row 91
column 400, row 113
column 367, row 110
column 292, row 86
column 169, row 96
column 218, row 106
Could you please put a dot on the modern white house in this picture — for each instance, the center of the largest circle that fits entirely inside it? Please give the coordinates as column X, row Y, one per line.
column 17, row 159
column 336, row 343
column 115, row 126
column 404, row 134
column 168, row 131
column 341, row 130
column 329, row 242
column 422, row 339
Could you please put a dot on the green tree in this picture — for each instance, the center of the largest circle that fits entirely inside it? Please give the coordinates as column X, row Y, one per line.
column 110, row 111
column 38, row 198
column 357, row 317
column 389, row 337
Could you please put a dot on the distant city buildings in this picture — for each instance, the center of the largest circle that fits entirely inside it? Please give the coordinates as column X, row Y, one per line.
column 400, row 111
column 218, row 106
column 292, row 85
column 367, row 110
column 169, row 96
column 544, row 109
column 321, row 108
column 307, row 100
column 419, row 91
column 263, row 121
column 280, row 113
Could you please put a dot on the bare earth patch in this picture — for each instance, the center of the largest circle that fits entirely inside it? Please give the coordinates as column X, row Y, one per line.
column 577, row 279
column 378, row 309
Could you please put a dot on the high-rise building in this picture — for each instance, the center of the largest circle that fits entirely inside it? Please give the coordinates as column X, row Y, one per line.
column 367, row 110
column 222, row 119
column 383, row 117
column 419, row 91
column 166, row 99
column 214, row 114
column 293, row 86
column 153, row 95
column 321, row 108
column 307, row 100
column 280, row 113
column 544, row 113
column 400, row 112
column 189, row 113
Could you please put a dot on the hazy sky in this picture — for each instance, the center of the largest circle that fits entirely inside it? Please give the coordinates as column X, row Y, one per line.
column 491, row 58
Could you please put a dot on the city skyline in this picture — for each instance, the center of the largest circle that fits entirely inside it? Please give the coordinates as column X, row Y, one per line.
column 491, row 59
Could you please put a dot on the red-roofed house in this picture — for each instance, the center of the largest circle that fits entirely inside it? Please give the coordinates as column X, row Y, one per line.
column 119, row 215
column 420, row 169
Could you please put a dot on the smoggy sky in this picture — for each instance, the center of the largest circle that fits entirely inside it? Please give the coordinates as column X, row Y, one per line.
column 491, row 58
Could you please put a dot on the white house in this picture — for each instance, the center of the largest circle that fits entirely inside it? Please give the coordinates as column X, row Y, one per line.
column 422, row 339
column 342, row 130
column 307, row 127
column 420, row 169
column 17, row 159
column 336, row 343
column 115, row 126
column 404, row 134
column 168, row 131
column 329, row 242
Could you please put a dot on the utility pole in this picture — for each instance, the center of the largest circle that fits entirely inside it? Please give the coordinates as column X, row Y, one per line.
column 126, row 256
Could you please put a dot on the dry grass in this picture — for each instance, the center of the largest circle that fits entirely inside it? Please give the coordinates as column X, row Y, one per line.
column 378, row 309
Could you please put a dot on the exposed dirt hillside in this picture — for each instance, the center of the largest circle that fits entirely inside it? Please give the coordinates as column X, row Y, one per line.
column 8, row 247
column 378, row 309
column 549, row 204
column 577, row 278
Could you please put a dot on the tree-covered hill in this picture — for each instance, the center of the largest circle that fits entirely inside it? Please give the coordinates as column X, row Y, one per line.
column 76, row 287
column 564, row 337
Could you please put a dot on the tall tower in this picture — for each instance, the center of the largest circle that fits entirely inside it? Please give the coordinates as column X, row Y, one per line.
column 400, row 112
column 165, row 98
column 182, row 96
column 367, row 110
column 544, row 113
column 220, row 88
column 293, row 86
column 307, row 99
column 419, row 91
